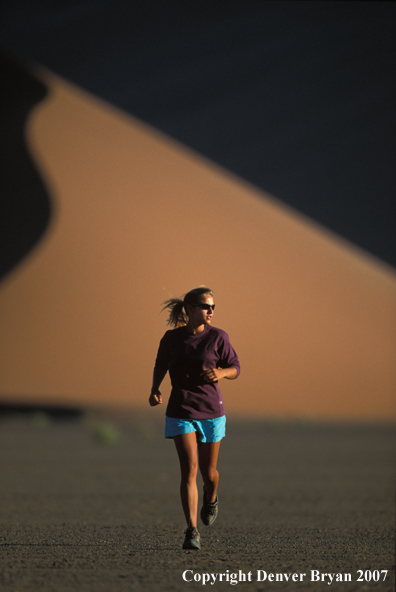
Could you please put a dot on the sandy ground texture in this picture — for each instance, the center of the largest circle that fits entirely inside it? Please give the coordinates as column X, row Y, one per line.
column 92, row 505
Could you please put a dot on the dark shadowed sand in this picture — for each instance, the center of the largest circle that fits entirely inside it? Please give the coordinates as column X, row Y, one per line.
column 79, row 513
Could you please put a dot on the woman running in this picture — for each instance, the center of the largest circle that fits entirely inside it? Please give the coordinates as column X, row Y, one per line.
column 197, row 356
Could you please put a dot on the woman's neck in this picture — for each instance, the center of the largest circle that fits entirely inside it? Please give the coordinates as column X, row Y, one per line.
column 193, row 330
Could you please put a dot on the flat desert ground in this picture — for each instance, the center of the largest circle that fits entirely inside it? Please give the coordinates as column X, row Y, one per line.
column 80, row 511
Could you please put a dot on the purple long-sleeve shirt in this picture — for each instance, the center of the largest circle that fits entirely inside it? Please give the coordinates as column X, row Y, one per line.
column 185, row 356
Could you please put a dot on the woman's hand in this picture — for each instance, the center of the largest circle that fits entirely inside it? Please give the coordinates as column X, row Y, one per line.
column 155, row 398
column 215, row 374
column 212, row 374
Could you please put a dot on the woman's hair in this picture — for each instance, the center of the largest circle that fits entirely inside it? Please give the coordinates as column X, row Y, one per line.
column 178, row 316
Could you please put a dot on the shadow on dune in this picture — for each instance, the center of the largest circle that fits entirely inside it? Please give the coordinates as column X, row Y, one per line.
column 25, row 203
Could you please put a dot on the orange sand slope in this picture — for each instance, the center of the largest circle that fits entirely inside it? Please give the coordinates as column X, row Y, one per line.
column 139, row 217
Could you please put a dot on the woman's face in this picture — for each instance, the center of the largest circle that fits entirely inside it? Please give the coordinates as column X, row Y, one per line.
column 200, row 316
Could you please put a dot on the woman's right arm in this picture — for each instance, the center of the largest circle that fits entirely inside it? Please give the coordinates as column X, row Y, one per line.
column 155, row 397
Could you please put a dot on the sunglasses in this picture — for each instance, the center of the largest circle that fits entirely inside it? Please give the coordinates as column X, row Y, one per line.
column 205, row 306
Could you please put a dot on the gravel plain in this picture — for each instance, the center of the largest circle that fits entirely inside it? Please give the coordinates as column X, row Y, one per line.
column 93, row 505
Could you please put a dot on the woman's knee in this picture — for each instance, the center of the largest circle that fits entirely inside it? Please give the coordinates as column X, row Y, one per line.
column 189, row 474
column 189, row 469
column 210, row 474
column 186, row 446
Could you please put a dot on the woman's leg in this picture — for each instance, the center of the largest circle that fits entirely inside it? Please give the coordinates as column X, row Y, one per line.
column 186, row 446
column 208, row 454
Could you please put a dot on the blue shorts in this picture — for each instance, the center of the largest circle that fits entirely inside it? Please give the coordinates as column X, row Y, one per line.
column 207, row 430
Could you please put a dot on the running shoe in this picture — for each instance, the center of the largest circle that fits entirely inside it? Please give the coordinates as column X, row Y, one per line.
column 193, row 539
column 209, row 510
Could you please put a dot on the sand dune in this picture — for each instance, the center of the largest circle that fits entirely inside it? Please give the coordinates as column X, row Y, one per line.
column 139, row 217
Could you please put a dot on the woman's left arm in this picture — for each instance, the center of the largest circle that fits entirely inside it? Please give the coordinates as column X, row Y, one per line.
column 228, row 363
column 215, row 374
